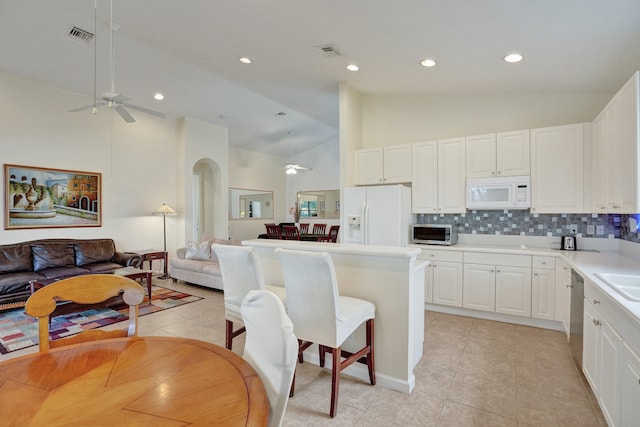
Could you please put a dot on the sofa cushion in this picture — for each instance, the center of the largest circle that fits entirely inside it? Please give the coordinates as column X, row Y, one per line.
column 198, row 251
column 102, row 267
column 48, row 255
column 188, row 264
column 17, row 282
column 212, row 269
column 15, row 258
column 91, row 251
column 60, row 272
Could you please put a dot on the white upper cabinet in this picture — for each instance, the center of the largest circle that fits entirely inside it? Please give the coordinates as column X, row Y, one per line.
column 615, row 153
column 501, row 154
column 387, row 165
column 557, row 161
column 438, row 184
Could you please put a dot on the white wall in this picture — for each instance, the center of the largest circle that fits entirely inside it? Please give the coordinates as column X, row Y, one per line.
column 137, row 160
column 400, row 119
column 351, row 117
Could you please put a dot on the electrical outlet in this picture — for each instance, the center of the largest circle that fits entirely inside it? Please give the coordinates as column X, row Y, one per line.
column 573, row 228
column 591, row 229
column 599, row 230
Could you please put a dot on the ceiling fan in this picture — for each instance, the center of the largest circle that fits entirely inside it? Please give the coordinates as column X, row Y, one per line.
column 111, row 98
column 293, row 168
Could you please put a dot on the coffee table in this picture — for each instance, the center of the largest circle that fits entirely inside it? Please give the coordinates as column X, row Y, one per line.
column 134, row 273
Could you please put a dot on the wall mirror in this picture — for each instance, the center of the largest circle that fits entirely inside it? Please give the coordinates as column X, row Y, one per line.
column 250, row 204
column 319, row 204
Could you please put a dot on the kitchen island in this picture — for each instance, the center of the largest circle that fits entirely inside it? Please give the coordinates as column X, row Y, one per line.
column 392, row 278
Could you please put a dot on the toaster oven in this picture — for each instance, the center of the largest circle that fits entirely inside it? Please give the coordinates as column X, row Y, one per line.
column 434, row 234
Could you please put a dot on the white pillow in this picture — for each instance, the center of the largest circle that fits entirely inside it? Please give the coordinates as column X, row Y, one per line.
column 198, row 251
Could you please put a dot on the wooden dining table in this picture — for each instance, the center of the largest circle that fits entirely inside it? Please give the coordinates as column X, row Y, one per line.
column 159, row 381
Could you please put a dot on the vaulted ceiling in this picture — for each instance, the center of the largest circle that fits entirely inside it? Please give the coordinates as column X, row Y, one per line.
column 189, row 50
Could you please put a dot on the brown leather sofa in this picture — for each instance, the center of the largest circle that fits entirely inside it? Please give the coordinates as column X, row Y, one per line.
column 45, row 259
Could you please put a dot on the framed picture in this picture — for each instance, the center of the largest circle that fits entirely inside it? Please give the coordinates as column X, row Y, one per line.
column 51, row 198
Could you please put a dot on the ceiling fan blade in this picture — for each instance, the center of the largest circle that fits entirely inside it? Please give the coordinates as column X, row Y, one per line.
column 124, row 114
column 145, row 110
column 86, row 107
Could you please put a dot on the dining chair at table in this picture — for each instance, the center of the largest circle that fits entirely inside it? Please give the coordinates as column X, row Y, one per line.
column 290, row 232
column 304, row 228
column 241, row 272
column 86, row 289
column 319, row 229
column 273, row 231
column 320, row 315
column 270, row 347
column 332, row 236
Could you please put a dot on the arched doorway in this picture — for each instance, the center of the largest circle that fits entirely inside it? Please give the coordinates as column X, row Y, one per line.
column 206, row 199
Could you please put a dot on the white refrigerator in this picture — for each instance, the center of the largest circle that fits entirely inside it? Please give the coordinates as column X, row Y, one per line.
column 377, row 215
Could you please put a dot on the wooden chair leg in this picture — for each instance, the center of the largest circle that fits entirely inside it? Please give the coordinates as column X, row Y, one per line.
column 293, row 385
column 321, row 353
column 229, row 335
column 335, row 381
column 370, row 358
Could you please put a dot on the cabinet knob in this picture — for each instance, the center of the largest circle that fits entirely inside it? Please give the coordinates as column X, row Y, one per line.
column 544, row 263
column 493, row 173
column 595, row 301
column 499, row 172
column 497, row 271
column 535, row 274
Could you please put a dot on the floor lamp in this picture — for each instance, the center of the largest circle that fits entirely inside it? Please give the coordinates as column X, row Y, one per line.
column 164, row 211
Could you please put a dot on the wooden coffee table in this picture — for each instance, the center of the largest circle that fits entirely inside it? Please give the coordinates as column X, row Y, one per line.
column 150, row 255
column 134, row 273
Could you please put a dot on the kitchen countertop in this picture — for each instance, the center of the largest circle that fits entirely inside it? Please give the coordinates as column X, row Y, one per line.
column 585, row 262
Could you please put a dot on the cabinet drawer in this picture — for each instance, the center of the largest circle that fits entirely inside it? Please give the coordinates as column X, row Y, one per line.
column 510, row 260
column 546, row 262
column 435, row 255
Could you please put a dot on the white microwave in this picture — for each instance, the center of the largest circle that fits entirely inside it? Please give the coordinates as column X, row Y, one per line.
column 505, row 192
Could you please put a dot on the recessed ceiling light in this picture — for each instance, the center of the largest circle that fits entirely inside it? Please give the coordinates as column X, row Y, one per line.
column 352, row 67
column 513, row 57
column 428, row 63
column 158, row 96
column 245, row 60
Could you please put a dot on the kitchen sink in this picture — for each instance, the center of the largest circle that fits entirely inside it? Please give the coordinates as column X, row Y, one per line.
column 627, row 285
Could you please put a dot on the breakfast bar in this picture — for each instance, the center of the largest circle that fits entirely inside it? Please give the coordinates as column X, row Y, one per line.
column 392, row 278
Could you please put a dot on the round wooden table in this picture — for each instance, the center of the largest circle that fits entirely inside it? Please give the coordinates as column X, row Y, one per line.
column 132, row 381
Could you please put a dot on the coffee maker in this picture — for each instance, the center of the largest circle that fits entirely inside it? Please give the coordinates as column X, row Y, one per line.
column 568, row 243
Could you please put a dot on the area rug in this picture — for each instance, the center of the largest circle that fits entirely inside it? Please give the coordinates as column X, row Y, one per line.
column 18, row 330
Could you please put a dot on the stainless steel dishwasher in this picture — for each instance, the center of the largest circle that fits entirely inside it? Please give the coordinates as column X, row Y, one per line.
column 577, row 319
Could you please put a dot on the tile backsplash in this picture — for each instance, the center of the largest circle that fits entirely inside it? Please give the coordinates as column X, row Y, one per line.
column 525, row 223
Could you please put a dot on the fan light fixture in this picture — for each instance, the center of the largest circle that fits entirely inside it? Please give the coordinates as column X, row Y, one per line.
column 291, row 170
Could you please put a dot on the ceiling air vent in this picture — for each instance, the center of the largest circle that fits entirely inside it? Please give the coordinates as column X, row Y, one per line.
column 328, row 50
column 80, row 35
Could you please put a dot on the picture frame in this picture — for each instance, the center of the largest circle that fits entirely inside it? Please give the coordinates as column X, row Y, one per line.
column 38, row 197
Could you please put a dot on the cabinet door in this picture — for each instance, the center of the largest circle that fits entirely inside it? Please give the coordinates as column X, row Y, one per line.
column 626, row 152
column 397, row 164
column 424, row 186
column 451, row 175
column 543, row 294
column 557, row 183
column 600, row 152
column 428, row 283
column 369, row 166
column 479, row 289
column 609, row 364
column 512, row 153
column 513, row 290
column 591, row 346
column 630, row 396
column 481, row 155
column 447, row 283
column 563, row 294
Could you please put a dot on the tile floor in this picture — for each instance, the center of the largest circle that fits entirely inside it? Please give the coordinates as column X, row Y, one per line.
column 473, row 373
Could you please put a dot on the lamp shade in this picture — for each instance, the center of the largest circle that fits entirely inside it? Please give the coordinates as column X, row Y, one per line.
column 164, row 210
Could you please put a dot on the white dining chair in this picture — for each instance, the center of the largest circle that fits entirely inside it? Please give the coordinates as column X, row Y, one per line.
column 270, row 347
column 320, row 315
column 241, row 272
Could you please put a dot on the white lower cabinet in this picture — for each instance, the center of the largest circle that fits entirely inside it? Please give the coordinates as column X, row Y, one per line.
column 543, row 294
column 443, row 277
column 513, row 290
column 497, row 282
column 609, row 362
column 630, row 396
column 563, row 294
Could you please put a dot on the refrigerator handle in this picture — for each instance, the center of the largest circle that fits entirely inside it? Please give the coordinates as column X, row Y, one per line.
column 365, row 223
